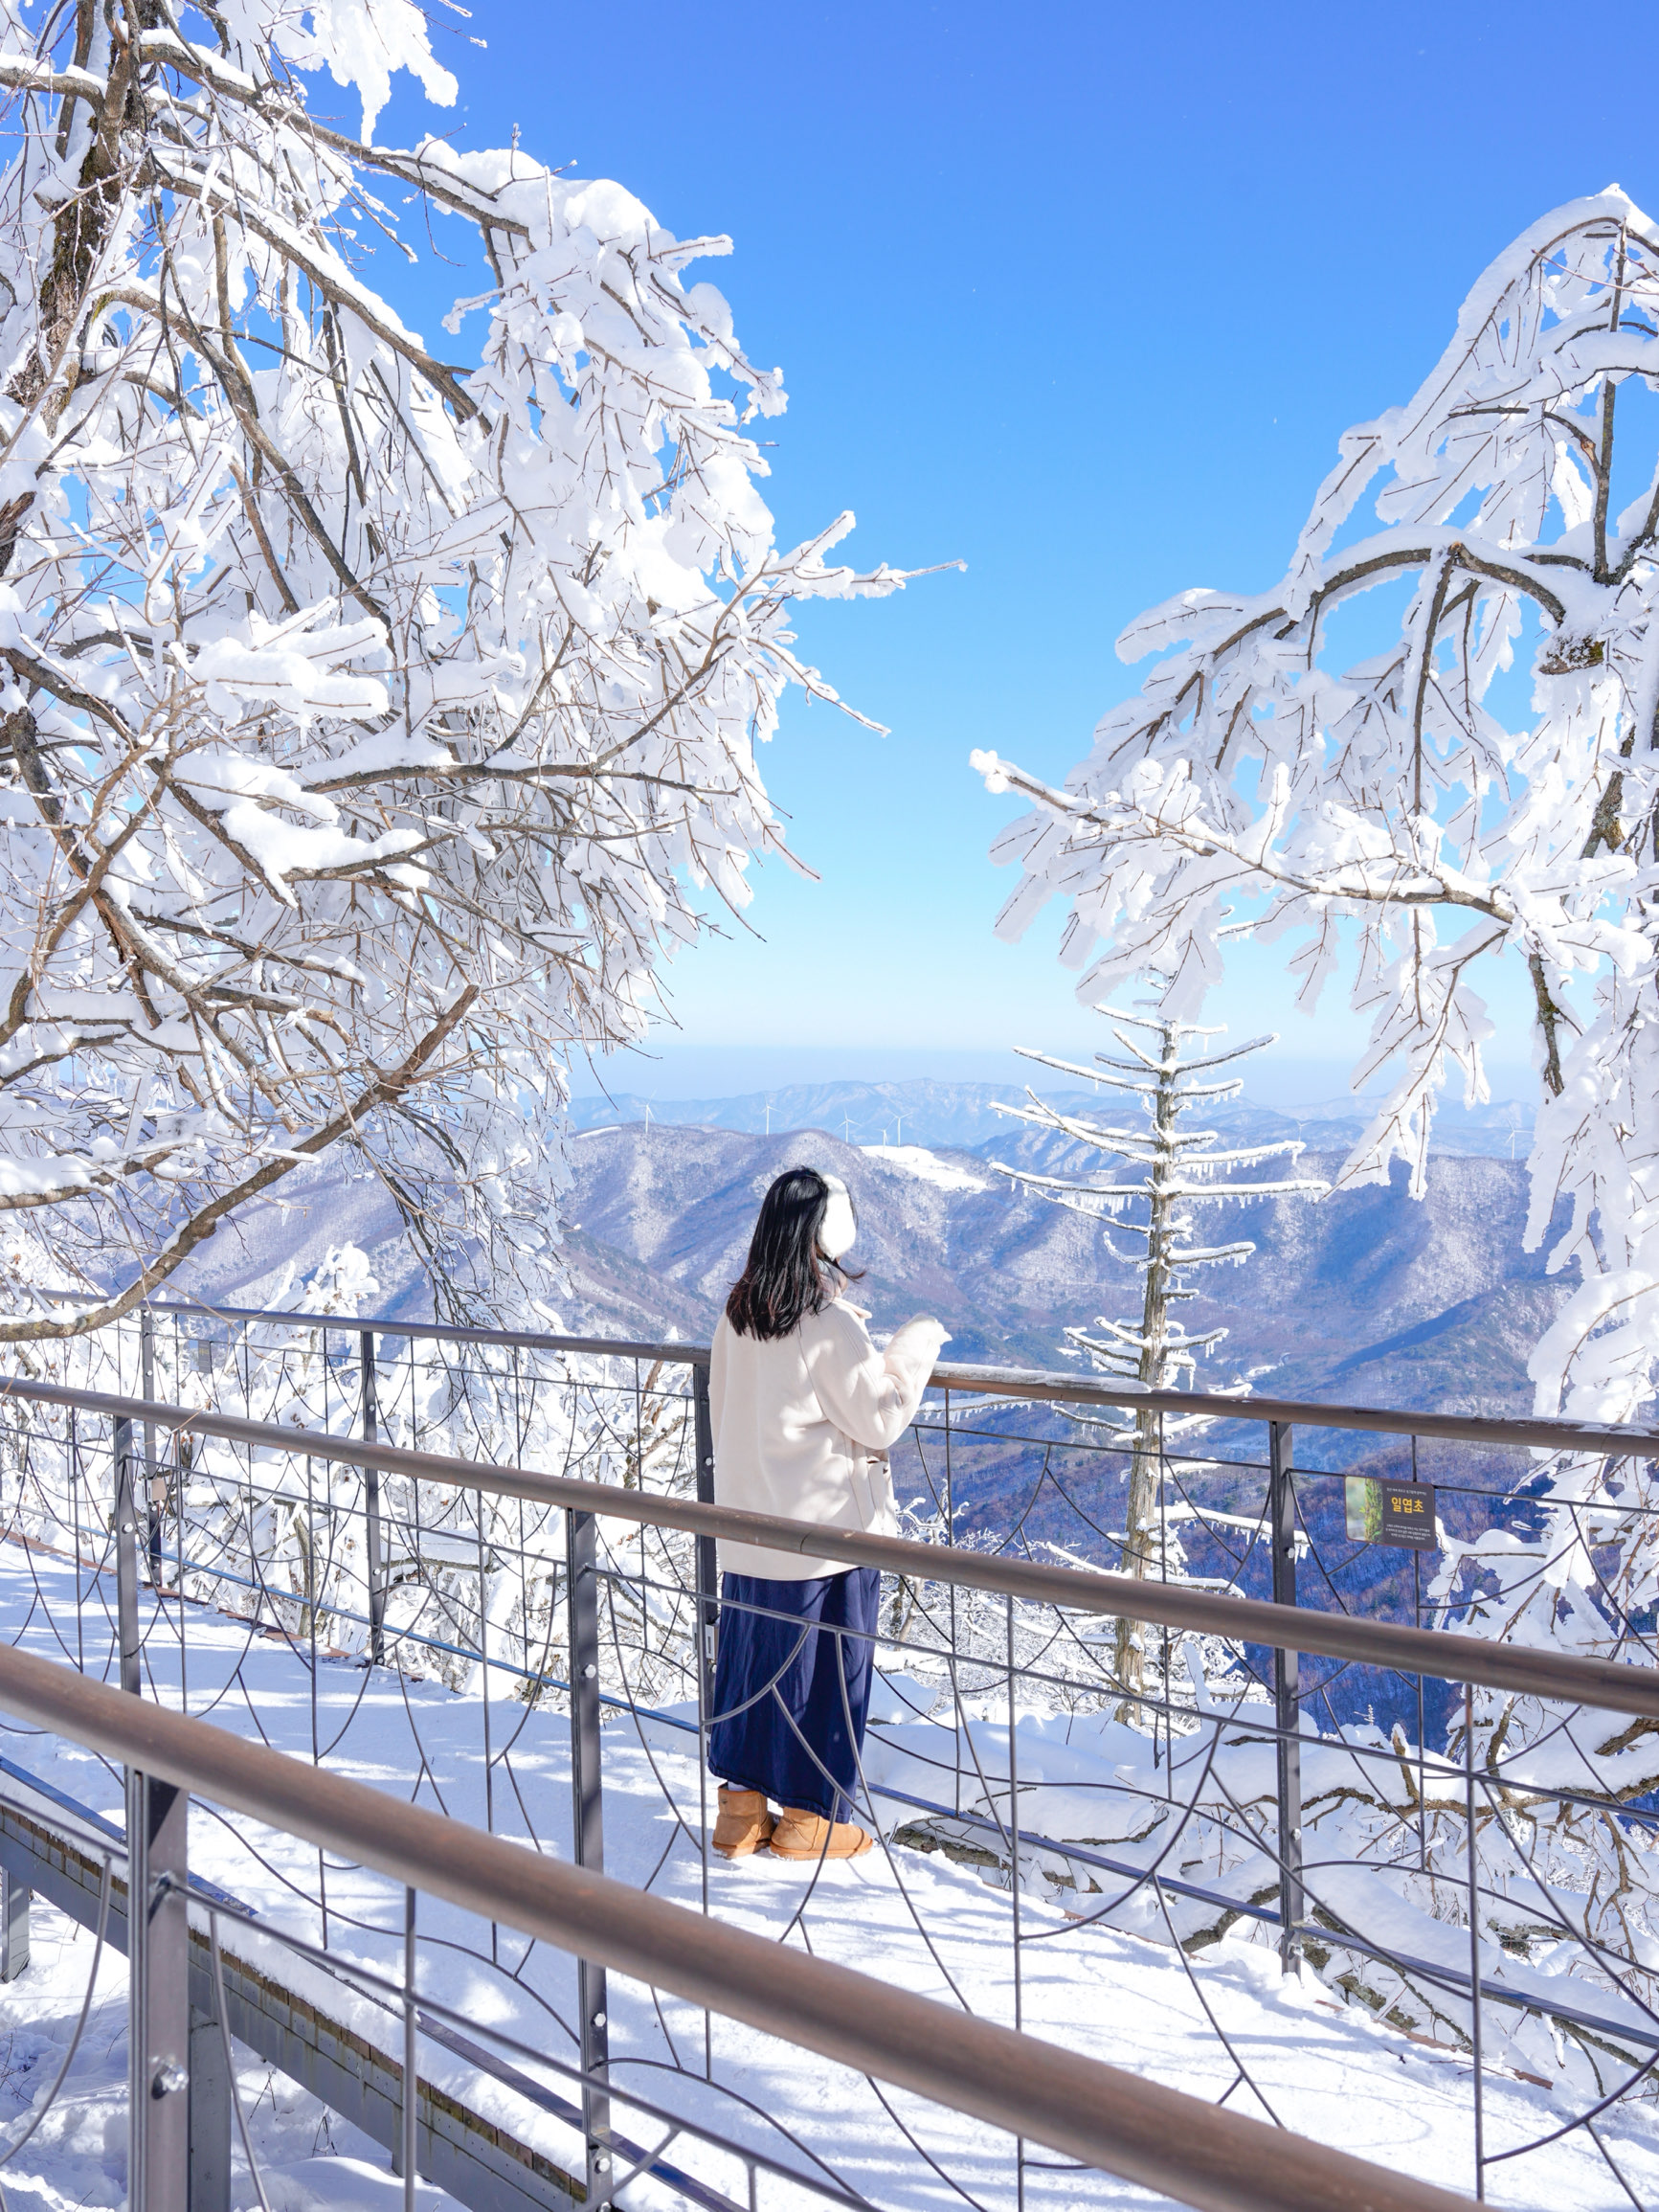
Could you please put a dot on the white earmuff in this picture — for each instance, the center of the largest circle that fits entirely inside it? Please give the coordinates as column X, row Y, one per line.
column 839, row 1225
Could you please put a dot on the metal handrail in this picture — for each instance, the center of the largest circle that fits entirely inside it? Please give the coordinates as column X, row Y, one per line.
column 367, row 1343
column 1039, row 1384
column 1519, row 1670
column 1551, row 1435
column 1158, row 2138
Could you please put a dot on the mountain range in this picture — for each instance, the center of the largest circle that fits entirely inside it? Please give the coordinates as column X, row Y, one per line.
column 1363, row 1296
column 964, row 1115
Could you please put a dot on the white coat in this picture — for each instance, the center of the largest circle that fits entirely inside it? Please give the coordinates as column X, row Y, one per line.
column 802, row 1427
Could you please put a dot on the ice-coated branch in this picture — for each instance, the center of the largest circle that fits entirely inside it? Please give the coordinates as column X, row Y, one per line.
column 348, row 678
column 1396, row 821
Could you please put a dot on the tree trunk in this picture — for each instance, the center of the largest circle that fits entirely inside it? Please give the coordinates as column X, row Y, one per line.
column 1140, row 1549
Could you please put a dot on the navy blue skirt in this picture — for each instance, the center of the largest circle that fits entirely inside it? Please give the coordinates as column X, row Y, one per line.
column 790, row 1696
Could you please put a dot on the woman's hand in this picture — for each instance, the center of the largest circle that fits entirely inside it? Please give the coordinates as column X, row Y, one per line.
column 914, row 1349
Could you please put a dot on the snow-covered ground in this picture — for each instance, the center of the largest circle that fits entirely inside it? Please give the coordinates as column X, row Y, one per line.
column 926, row 1165
column 310, row 2159
column 919, row 1920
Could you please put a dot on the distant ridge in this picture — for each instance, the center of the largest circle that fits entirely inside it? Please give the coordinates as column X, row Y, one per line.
column 1369, row 1296
column 926, row 1111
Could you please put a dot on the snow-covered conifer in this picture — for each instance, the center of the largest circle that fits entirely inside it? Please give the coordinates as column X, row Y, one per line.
column 373, row 712
column 1178, row 1168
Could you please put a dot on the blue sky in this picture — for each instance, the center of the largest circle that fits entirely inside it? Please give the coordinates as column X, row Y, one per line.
column 1081, row 296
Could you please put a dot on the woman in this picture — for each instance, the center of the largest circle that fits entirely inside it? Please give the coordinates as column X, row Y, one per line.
column 804, row 1411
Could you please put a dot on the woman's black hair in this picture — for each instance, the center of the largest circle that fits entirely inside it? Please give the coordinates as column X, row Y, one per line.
column 787, row 1274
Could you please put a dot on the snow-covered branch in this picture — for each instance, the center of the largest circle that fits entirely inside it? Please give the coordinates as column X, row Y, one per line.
column 345, row 681
column 1399, row 818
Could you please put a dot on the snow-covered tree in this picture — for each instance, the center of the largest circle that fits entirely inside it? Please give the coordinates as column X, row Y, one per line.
column 1403, row 813
column 1483, row 786
column 371, row 723
column 1176, row 1170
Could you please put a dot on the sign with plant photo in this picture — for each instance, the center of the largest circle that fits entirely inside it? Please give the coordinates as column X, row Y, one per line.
column 1391, row 1512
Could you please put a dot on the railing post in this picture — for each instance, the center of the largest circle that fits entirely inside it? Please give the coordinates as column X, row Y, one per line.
column 373, row 1549
column 157, row 1925
column 708, row 1577
column 1476, row 2010
column 210, row 2117
column 406, row 2148
column 127, row 1554
column 588, row 1834
column 14, row 1896
column 146, row 1390
column 1287, row 1696
column 158, row 1995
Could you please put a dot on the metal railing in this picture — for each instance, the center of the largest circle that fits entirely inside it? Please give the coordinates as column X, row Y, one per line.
column 424, row 1510
column 1158, row 2137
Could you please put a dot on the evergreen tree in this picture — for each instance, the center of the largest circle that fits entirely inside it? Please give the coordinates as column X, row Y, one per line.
column 1179, row 1169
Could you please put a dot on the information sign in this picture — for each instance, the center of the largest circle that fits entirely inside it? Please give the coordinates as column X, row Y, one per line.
column 1399, row 1513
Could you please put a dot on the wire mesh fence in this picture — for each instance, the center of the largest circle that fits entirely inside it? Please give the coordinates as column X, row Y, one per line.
column 1466, row 1872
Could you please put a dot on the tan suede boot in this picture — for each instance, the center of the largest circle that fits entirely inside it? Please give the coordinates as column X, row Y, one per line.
column 802, row 1835
column 745, row 1824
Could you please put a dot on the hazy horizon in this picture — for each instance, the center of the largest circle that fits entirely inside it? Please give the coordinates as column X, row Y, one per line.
column 683, row 1073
